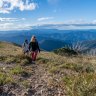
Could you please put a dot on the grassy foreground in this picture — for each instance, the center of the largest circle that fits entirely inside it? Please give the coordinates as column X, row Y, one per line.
column 74, row 76
column 12, row 65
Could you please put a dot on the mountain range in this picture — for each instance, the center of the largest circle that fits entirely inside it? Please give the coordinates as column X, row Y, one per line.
column 50, row 39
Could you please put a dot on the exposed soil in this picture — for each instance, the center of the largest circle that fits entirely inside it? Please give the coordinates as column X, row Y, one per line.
column 39, row 83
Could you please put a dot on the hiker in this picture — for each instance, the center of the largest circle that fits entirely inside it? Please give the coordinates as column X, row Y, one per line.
column 25, row 47
column 34, row 48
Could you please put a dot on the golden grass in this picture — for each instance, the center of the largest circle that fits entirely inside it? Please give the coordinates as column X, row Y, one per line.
column 12, row 54
column 7, row 49
column 77, row 75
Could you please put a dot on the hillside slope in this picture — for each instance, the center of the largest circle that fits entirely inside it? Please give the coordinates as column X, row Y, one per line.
column 52, row 75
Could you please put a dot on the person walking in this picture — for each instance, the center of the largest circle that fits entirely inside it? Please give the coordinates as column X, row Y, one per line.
column 34, row 48
column 25, row 47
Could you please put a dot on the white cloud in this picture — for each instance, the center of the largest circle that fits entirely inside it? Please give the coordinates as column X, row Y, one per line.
column 7, row 24
column 8, row 19
column 13, row 26
column 8, row 5
column 80, row 21
column 11, row 19
column 68, row 25
column 94, row 22
column 44, row 18
column 4, row 11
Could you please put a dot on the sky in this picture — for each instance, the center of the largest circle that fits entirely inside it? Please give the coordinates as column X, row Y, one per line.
column 64, row 14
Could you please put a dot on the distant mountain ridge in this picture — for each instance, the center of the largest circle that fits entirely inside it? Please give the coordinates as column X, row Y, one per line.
column 50, row 39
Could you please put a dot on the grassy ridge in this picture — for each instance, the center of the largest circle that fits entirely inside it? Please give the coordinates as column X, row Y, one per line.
column 12, row 53
column 7, row 49
column 75, row 76
column 13, row 64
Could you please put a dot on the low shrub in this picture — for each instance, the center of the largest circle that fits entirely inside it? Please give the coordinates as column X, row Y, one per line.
column 65, row 52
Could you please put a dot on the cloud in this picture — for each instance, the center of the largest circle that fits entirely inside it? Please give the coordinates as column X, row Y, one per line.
column 7, row 24
column 68, row 25
column 44, row 18
column 94, row 22
column 79, row 21
column 13, row 26
column 4, row 11
column 6, row 6
column 11, row 19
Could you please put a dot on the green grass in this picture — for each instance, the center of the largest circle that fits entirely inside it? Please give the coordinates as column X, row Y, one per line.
column 81, row 85
column 18, row 65
column 26, row 83
column 17, row 70
column 5, row 78
column 42, row 60
column 54, row 70
column 76, row 75
column 21, row 59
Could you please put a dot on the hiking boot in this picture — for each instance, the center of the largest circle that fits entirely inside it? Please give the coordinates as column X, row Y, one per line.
column 33, row 62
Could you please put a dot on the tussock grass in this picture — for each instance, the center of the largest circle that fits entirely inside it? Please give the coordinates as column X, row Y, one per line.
column 81, row 85
column 76, row 75
column 12, row 54
column 7, row 49
column 42, row 60
column 21, row 59
column 5, row 78
column 17, row 70
column 26, row 83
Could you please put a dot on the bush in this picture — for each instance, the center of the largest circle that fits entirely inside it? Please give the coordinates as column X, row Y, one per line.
column 65, row 52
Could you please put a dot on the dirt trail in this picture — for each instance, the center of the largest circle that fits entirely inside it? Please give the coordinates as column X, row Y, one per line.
column 38, row 83
column 40, row 80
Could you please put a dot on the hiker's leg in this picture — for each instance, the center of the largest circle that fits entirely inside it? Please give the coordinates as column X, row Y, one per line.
column 35, row 55
column 32, row 54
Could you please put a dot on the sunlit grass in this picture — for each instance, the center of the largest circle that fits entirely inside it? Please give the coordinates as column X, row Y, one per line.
column 77, row 75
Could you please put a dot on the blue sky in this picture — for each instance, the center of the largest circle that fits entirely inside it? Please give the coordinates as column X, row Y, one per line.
column 22, row 14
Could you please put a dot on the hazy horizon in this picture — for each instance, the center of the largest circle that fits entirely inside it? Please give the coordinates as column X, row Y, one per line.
column 57, row 14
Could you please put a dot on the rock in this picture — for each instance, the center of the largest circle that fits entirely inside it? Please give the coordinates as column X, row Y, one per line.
column 31, row 91
column 1, row 89
column 11, row 94
column 25, row 75
column 25, row 94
